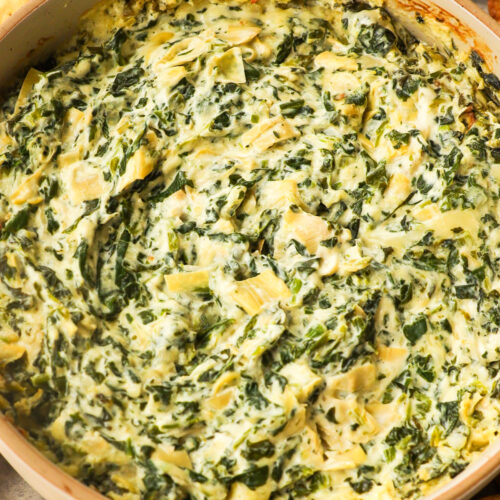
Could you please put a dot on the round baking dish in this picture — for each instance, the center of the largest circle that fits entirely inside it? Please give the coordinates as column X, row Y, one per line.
column 37, row 28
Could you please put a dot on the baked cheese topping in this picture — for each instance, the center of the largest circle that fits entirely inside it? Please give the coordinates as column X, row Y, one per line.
column 251, row 251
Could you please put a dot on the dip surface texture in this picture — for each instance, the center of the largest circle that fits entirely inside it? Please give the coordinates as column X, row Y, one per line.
column 251, row 251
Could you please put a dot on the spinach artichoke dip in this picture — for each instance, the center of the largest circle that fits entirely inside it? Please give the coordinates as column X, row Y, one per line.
column 250, row 250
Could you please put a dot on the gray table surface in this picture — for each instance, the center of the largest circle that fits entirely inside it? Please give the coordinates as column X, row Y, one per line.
column 12, row 487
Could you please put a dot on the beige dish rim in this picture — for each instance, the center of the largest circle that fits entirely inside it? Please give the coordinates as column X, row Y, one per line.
column 18, row 16
column 54, row 484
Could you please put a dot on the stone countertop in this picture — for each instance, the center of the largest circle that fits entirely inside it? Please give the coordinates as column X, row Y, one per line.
column 12, row 487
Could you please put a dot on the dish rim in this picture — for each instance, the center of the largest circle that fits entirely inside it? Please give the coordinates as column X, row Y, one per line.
column 53, row 482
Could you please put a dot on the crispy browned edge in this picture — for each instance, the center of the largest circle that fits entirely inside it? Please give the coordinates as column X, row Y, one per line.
column 456, row 27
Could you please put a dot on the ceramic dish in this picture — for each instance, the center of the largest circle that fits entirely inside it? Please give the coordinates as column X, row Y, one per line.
column 39, row 26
